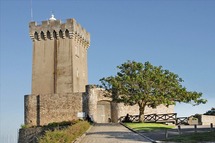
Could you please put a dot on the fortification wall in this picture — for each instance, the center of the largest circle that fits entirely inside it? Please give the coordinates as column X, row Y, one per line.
column 96, row 94
column 134, row 110
column 44, row 109
column 207, row 119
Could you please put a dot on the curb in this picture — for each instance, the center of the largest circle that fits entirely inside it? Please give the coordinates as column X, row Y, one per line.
column 153, row 141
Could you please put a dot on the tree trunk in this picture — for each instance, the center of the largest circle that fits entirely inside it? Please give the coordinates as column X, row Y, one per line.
column 141, row 114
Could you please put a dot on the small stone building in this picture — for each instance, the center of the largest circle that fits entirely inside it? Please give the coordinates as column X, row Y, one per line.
column 59, row 78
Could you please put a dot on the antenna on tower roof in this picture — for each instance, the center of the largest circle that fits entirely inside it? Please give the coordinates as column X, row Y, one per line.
column 31, row 11
column 52, row 16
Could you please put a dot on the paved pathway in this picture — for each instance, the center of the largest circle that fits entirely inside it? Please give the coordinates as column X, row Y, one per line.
column 112, row 133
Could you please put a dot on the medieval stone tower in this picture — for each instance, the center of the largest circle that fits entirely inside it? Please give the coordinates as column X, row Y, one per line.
column 59, row 72
column 59, row 78
column 59, row 57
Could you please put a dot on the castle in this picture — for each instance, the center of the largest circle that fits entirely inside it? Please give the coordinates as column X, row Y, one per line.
column 60, row 77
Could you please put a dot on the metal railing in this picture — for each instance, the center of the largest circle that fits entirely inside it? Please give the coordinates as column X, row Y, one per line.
column 170, row 117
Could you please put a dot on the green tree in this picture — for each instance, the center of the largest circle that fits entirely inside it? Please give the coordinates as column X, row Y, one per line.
column 148, row 85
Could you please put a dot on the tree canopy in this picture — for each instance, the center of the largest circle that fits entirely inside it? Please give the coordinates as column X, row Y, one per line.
column 148, row 85
column 210, row 112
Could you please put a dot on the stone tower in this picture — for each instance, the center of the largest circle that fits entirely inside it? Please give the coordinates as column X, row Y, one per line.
column 59, row 72
column 59, row 56
column 59, row 79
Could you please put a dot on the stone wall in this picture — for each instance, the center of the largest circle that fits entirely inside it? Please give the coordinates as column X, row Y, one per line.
column 44, row 109
column 59, row 57
column 207, row 119
column 96, row 95
column 30, row 135
column 134, row 110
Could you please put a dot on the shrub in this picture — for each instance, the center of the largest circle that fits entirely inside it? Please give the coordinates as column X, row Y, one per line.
column 64, row 123
column 65, row 135
column 23, row 126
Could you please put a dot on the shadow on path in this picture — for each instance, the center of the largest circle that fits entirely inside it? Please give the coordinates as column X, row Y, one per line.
column 112, row 133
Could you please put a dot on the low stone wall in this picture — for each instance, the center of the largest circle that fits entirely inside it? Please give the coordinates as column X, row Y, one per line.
column 134, row 110
column 30, row 135
column 207, row 119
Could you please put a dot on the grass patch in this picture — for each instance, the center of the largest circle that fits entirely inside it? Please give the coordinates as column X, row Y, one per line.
column 65, row 135
column 148, row 126
column 194, row 137
column 23, row 126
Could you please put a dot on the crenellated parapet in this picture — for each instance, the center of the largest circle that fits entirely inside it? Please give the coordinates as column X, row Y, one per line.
column 55, row 29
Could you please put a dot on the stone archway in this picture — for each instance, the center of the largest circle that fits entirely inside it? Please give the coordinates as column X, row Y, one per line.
column 103, row 111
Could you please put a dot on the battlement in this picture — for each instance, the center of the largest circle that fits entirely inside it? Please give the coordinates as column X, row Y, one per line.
column 55, row 29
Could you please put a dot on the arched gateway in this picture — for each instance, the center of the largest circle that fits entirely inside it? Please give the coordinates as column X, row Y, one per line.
column 103, row 111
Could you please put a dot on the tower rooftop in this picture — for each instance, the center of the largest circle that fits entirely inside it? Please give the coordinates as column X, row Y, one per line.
column 53, row 28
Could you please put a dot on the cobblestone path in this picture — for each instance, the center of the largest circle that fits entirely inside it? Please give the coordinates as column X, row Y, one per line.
column 112, row 133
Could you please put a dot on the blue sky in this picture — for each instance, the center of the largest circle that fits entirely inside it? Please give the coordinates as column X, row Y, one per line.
column 177, row 34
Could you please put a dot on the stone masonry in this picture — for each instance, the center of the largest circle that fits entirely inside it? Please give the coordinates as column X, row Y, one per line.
column 96, row 95
column 59, row 79
column 48, row 108
column 59, row 57
column 59, row 72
